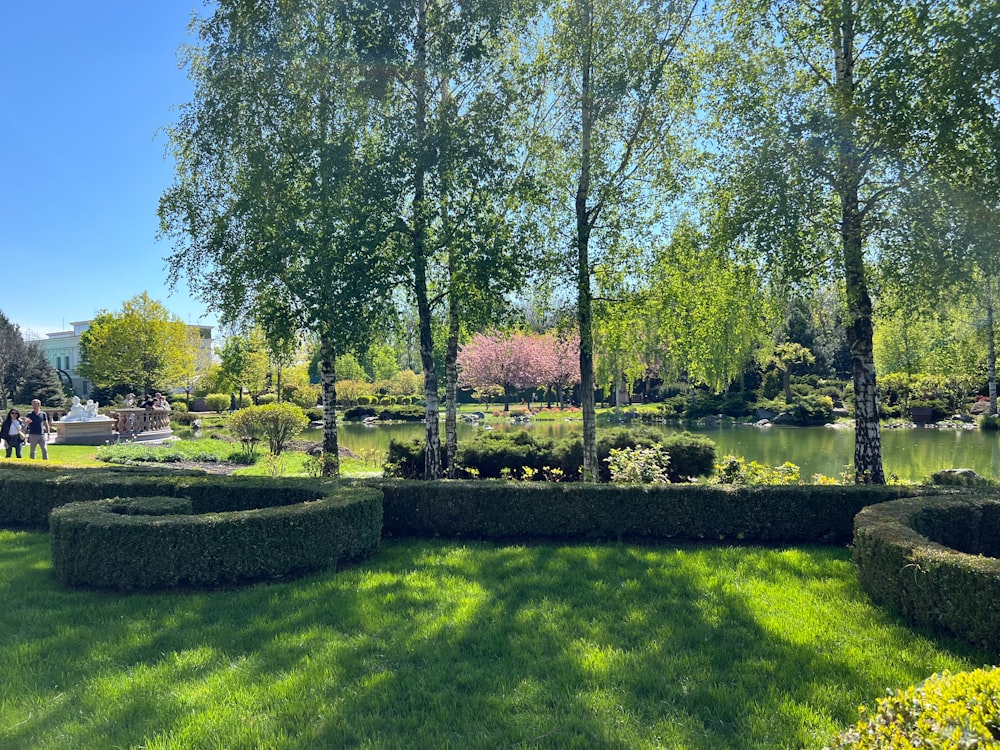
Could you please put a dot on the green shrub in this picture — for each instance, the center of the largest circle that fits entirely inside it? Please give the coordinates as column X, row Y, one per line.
column 989, row 422
column 403, row 413
column 358, row 413
column 178, row 407
column 639, row 465
column 812, row 409
column 405, row 460
column 946, row 712
column 931, row 559
column 261, row 530
column 306, row 396
column 247, row 425
column 492, row 455
column 267, row 398
column 496, row 454
column 217, row 401
column 690, row 456
column 281, row 423
column 315, row 414
column 29, row 493
column 737, row 470
column 170, row 452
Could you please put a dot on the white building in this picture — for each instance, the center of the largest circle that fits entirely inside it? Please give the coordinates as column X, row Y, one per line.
column 62, row 350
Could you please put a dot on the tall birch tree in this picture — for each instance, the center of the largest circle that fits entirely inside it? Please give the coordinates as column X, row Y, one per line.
column 821, row 124
column 618, row 87
column 283, row 199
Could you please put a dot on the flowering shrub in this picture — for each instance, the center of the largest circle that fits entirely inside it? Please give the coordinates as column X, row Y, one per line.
column 639, row 465
column 737, row 470
column 947, row 711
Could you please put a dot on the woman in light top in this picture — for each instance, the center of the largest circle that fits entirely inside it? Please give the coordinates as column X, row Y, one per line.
column 11, row 432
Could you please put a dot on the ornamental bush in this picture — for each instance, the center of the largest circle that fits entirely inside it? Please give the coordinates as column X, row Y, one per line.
column 277, row 423
column 281, row 423
column 217, row 533
column 497, row 454
column 945, row 712
column 737, row 470
column 639, row 465
column 218, row 401
column 247, row 426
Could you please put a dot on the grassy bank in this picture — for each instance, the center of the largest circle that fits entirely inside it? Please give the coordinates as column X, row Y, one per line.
column 436, row 645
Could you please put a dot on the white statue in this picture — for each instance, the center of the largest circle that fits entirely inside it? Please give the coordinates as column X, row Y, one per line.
column 84, row 413
column 77, row 412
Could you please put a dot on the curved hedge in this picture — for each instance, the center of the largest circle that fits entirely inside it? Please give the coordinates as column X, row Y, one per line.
column 930, row 558
column 29, row 493
column 231, row 532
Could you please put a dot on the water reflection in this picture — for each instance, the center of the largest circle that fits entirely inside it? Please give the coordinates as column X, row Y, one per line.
column 911, row 454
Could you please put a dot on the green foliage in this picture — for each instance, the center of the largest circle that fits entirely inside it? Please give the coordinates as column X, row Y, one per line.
column 262, row 530
column 946, row 712
column 677, row 512
column 737, row 470
column 245, row 363
column 209, row 451
column 141, row 348
column 280, row 424
column 247, row 425
column 812, row 409
column 156, row 505
column 496, row 454
column 28, row 494
column 639, row 465
column 934, row 560
column 989, row 422
column 401, row 413
column 218, row 401
column 267, row 398
column 405, row 460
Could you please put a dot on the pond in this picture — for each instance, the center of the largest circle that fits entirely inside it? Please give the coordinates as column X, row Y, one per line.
column 910, row 454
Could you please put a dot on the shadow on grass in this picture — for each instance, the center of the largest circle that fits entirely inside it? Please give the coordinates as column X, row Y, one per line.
column 449, row 645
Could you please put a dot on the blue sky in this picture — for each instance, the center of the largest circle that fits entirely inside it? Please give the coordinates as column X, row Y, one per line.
column 84, row 88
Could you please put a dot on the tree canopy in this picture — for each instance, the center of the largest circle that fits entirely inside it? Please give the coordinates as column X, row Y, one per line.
column 141, row 348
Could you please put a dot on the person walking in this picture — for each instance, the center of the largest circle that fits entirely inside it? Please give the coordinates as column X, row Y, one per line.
column 39, row 428
column 10, row 430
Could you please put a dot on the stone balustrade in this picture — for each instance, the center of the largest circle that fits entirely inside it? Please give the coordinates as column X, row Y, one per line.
column 133, row 421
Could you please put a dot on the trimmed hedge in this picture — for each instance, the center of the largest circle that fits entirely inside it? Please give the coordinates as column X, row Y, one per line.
column 534, row 510
column 234, row 532
column 29, row 493
column 924, row 557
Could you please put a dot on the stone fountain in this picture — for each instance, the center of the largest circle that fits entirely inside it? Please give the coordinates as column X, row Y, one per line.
column 83, row 425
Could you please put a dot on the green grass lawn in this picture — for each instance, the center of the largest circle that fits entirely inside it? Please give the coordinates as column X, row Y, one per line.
column 290, row 463
column 446, row 645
